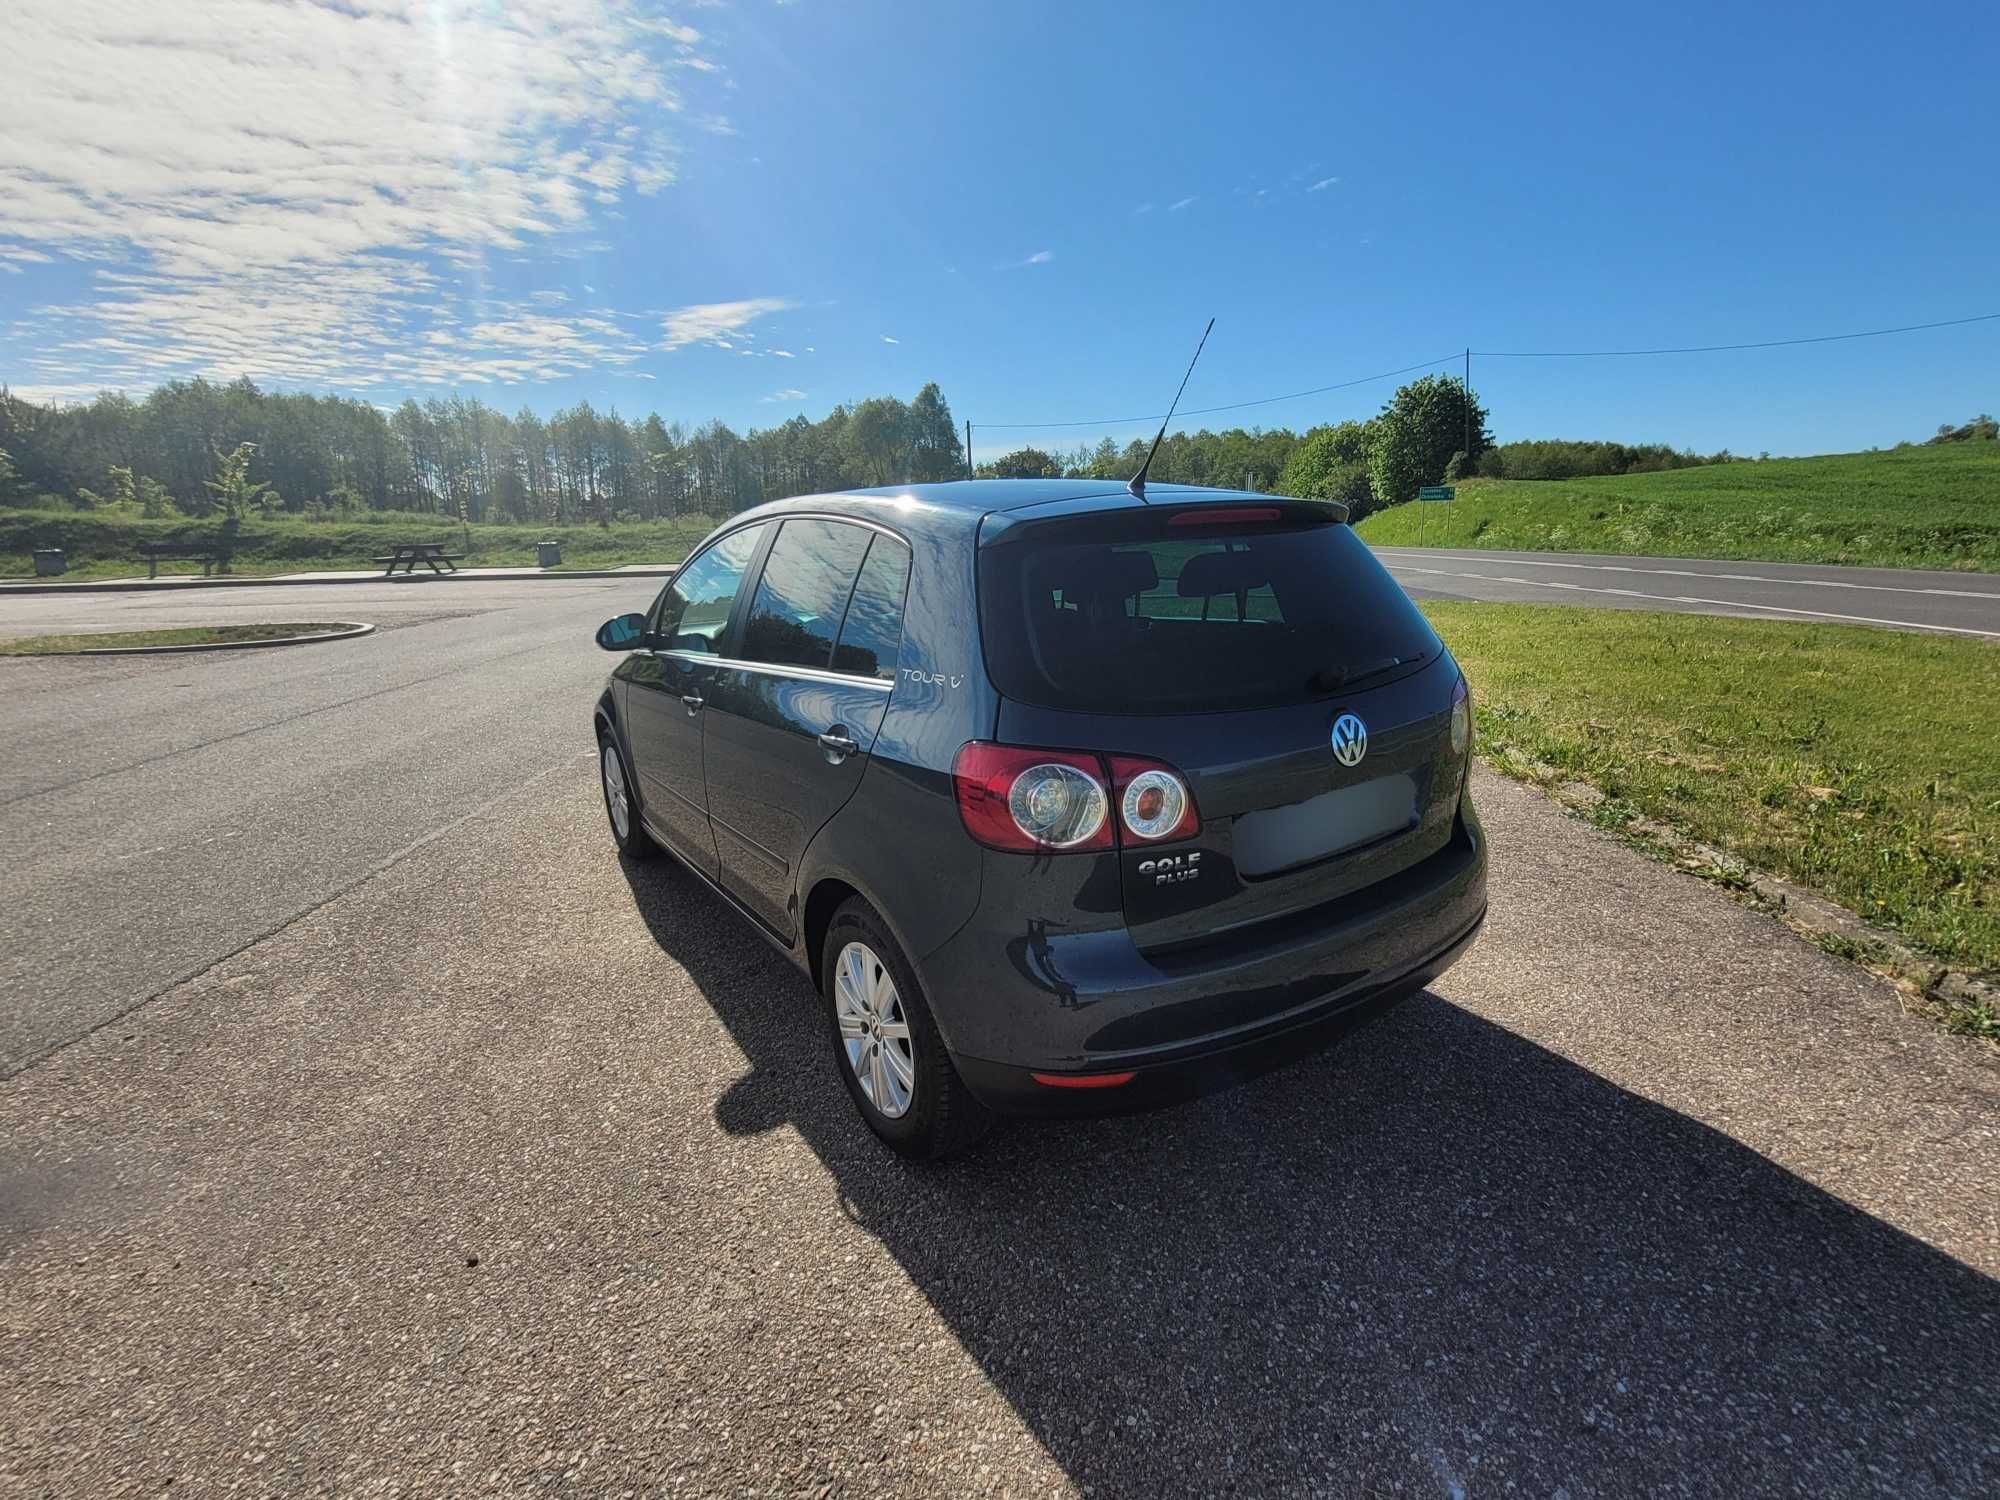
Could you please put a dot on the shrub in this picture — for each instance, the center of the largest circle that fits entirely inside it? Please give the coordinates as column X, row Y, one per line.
column 1331, row 463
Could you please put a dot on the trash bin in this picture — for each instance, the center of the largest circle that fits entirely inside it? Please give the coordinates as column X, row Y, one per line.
column 548, row 554
column 50, row 562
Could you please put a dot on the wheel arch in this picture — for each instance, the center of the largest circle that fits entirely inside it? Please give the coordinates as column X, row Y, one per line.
column 827, row 896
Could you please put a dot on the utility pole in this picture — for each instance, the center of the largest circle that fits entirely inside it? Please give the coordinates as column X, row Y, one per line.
column 968, row 447
column 1465, row 387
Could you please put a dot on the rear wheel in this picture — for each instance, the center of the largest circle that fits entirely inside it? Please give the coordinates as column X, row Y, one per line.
column 620, row 806
column 887, row 1046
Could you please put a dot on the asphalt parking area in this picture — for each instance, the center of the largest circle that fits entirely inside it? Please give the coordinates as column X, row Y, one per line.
column 1649, row 1197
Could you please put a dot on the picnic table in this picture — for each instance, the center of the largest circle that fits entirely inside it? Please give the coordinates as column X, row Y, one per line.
column 208, row 554
column 406, row 555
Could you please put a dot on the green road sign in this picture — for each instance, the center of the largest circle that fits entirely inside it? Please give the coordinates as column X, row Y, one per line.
column 1436, row 492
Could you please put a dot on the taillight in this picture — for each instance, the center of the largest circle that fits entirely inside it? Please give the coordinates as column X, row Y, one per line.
column 1059, row 801
column 1224, row 515
column 1014, row 798
column 1154, row 804
column 1461, row 718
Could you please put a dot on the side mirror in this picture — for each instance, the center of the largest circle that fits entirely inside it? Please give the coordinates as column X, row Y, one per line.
column 623, row 633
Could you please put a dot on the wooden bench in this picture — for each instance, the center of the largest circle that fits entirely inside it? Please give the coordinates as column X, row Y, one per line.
column 407, row 555
column 208, row 554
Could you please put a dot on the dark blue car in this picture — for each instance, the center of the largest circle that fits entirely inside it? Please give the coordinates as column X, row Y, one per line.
column 1067, row 799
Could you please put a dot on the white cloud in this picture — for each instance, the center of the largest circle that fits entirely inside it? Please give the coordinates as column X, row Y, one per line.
column 1040, row 258
column 885, row 339
column 1143, row 208
column 707, row 322
column 1322, row 185
column 1179, row 204
column 783, row 354
column 787, row 394
column 308, row 192
column 809, row 349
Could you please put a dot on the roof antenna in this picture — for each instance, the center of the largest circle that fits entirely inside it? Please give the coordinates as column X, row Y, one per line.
column 1137, row 483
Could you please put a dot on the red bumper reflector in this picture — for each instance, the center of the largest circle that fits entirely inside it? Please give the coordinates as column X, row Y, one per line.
column 1082, row 1080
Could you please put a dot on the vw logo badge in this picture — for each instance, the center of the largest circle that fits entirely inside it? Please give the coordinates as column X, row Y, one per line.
column 1350, row 740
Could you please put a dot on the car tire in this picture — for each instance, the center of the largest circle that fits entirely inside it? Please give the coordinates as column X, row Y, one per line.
column 938, row 1116
column 621, row 802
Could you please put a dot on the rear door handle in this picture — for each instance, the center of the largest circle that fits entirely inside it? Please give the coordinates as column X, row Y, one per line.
column 692, row 702
column 837, row 744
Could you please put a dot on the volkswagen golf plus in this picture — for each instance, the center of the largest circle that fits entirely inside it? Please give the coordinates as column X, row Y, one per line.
column 1067, row 799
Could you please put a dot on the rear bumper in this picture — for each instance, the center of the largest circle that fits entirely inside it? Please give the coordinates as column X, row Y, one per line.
column 1092, row 1003
column 1014, row 1090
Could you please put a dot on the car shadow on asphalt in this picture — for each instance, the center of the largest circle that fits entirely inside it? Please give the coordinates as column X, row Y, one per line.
column 1439, row 1259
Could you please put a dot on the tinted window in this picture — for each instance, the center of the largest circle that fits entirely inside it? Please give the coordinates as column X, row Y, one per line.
column 694, row 610
column 873, row 629
column 1126, row 613
column 807, row 578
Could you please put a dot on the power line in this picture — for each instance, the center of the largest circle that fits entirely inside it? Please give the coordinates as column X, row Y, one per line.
column 1205, row 411
column 1824, row 338
column 1431, row 364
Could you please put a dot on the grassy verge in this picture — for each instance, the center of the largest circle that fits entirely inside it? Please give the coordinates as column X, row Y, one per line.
column 1861, row 764
column 1908, row 507
column 190, row 635
column 107, row 546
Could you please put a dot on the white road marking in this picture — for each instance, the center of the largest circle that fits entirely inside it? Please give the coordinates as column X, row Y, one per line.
column 1823, row 583
column 1396, row 566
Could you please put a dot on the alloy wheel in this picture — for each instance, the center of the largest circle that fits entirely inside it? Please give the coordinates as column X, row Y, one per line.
column 874, row 1031
column 616, row 798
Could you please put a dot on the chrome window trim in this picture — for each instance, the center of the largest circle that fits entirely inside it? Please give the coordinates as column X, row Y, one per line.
column 845, row 520
column 774, row 669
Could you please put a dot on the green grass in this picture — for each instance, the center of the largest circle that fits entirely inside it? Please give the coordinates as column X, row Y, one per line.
column 107, row 546
column 1907, row 507
column 1862, row 764
column 189, row 635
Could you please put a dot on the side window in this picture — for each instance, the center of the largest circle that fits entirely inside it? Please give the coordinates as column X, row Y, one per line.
column 807, row 578
column 694, row 611
column 873, row 630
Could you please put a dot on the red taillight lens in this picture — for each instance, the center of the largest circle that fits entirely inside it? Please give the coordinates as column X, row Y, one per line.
column 1154, row 803
column 1029, row 800
column 1224, row 515
column 1461, row 718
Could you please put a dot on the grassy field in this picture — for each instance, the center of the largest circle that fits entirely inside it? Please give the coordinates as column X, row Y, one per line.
column 1907, row 507
column 188, row 635
column 105, row 546
column 1860, row 763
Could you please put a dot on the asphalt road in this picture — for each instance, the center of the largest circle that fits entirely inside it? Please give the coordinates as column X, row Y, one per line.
column 1965, row 604
column 158, row 813
column 447, row 1155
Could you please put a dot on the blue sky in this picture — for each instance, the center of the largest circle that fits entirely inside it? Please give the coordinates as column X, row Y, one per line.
column 749, row 209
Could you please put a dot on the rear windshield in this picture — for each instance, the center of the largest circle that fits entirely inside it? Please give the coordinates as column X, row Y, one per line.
column 1129, row 613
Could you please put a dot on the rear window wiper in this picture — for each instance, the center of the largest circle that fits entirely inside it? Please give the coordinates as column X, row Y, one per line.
column 1331, row 679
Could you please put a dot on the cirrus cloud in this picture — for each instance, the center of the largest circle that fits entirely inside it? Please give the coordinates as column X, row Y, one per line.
column 310, row 191
column 707, row 322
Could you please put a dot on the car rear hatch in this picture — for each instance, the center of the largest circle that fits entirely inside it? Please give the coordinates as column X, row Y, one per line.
column 1228, row 639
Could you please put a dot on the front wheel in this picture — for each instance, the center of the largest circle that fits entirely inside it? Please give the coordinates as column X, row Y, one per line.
column 887, row 1046
column 620, row 806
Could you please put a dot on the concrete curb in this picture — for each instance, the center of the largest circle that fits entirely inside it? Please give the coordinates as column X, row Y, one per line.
column 171, row 585
column 347, row 632
column 1805, row 912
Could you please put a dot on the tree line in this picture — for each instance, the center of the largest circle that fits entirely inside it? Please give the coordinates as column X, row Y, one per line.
column 198, row 448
